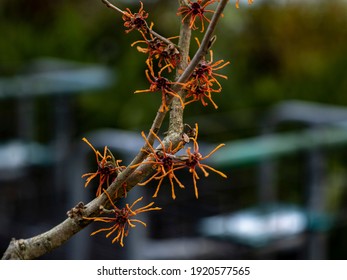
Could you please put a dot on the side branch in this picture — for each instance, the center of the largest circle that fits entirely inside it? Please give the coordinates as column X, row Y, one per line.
column 155, row 34
column 176, row 113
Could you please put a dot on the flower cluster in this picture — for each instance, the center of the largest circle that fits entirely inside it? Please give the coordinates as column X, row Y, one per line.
column 194, row 10
column 157, row 48
column 162, row 84
column 108, row 168
column 165, row 160
column 193, row 159
column 203, row 82
column 165, row 52
column 166, row 163
column 136, row 21
column 121, row 219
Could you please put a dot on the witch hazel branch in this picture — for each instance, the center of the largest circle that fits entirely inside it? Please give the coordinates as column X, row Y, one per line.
column 176, row 79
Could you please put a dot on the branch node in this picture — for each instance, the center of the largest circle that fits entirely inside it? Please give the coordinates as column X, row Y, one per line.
column 76, row 212
column 21, row 244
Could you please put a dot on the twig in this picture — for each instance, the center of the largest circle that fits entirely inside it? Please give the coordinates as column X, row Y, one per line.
column 155, row 34
column 111, row 6
column 176, row 113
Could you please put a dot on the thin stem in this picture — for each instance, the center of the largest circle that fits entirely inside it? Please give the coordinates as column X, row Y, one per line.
column 111, row 6
column 165, row 40
column 176, row 113
column 155, row 34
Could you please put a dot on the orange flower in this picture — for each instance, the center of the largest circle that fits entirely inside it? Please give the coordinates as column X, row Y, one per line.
column 121, row 219
column 203, row 80
column 205, row 71
column 108, row 168
column 194, row 10
column 193, row 159
column 162, row 84
column 156, row 48
column 164, row 162
column 136, row 20
column 200, row 92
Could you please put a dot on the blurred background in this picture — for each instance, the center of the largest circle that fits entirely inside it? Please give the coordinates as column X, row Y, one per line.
column 67, row 71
